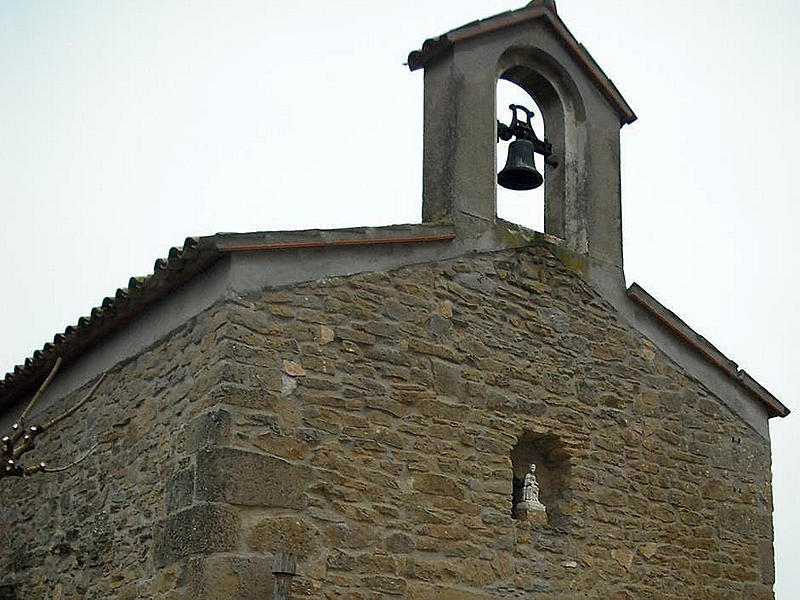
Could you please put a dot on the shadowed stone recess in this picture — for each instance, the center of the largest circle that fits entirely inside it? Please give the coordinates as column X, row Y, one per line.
column 7, row 592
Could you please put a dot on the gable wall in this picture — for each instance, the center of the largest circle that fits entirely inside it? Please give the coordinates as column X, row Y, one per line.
column 400, row 429
column 366, row 423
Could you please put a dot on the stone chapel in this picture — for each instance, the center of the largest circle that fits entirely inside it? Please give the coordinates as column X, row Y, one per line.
column 460, row 409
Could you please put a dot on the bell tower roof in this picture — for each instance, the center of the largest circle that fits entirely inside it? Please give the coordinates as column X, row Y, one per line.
column 544, row 10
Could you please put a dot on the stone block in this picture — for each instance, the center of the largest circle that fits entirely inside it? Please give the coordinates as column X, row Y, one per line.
column 431, row 483
column 180, row 490
column 350, row 535
column 246, row 577
column 648, row 550
column 531, row 515
column 249, row 479
column 285, row 446
column 399, row 543
column 294, row 534
column 384, row 584
column 426, row 591
column 623, row 556
column 209, row 429
column 203, row 528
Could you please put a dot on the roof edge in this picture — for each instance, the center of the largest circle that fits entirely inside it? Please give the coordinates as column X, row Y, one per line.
column 433, row 48
column 773, row 406
column 182, row 264
column 198, row 254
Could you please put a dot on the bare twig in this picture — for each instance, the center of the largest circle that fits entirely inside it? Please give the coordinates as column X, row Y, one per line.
column 6, row 447
column 40, row 391
column 67, row 413
column 10, row 440
column 27, row 444
column 34, row 469
column 11, row 450
column 8, row 443
column 70, row 465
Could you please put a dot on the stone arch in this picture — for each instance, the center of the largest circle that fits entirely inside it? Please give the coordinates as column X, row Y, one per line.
column 563, row 110
column 582, row 110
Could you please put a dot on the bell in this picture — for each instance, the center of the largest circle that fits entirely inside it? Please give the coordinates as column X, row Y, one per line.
column 520, row 171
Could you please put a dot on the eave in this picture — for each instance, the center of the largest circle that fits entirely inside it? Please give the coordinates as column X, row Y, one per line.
column 705, row 348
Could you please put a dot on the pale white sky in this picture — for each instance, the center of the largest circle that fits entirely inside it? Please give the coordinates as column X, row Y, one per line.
column 126, row 126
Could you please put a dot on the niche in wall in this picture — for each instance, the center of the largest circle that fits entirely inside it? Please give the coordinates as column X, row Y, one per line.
column 549, row 454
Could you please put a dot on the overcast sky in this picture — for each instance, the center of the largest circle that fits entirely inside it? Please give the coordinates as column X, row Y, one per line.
column 127, row 126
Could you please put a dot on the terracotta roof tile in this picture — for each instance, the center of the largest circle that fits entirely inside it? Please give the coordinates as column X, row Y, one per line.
column 182, row 263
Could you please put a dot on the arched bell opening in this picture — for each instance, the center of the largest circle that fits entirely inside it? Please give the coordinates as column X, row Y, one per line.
column 524, row 207
column 560, row 109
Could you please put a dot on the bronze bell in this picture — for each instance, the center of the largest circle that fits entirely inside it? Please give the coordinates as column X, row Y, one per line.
column 520, row 171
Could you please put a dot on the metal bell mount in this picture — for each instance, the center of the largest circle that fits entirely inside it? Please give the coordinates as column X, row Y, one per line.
column 520, row 172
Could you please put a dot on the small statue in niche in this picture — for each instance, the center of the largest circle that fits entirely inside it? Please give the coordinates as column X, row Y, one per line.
column 530, row 504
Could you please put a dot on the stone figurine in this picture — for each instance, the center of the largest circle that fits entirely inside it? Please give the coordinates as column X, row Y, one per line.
column 530, row 494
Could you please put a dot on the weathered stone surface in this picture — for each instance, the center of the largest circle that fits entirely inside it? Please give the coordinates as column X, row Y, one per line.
column 757, row 592
column 95, row 532
column 246, row 577
column 393, row 454
column 533, row 517
column 766, row 557
column 180, row 490
column 212, row 428
column 623, row 556
column 292, row 534
column 202, row 528
column 399, row 543
column 648, row 550
column 424, row 591
column 326, row 335
column 431, row 483
column 239, row 477
column 293, row 368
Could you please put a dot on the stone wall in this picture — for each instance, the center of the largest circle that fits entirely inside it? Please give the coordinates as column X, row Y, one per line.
column 87, row 533
column 367, row 424
column 389, row 405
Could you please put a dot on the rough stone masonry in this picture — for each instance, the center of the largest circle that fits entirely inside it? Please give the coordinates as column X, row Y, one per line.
column 366, row 424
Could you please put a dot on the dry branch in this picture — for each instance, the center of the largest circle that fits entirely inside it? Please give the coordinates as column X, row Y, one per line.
column 67, row 413
column 40, row 391
column 11, row 448
column 70, row 465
